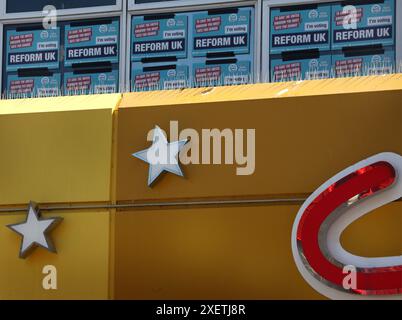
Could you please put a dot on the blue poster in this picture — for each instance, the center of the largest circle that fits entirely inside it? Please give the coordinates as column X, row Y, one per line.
column 301, row 69
column 91, row 43
column 32, row 49
column 227, row 32
column 300, row 29
column 166, row 36
column 91, row 83
column 216, row 73
column 33, row 86
column 364, row 64
column 365, row 24
column 163, row 77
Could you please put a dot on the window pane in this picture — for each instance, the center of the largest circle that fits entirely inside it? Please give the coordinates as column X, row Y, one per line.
column 148, row 1
column 14, row 6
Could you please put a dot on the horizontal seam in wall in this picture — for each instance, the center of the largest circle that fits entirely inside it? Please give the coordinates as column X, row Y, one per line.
column 156, row 204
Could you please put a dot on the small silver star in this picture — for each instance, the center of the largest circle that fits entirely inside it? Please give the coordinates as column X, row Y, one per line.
column 161, row 156
column 34, row 231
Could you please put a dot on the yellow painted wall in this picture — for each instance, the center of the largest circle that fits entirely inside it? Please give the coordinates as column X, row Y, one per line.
column 207, row 253
column 305, row 133
column 74, row 150
column 82, row 262
column 228, row 252
column 60, row 155
column 57, row 150
column 301, row 141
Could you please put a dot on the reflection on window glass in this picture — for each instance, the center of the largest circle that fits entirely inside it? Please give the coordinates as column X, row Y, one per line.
column 14, row 6
column 148, row 1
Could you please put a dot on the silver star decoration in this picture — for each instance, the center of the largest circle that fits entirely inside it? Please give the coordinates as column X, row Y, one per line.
column 161, row 156
column 34, row 231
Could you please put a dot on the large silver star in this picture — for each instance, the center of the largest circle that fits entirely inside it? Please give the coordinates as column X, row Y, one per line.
column 161, row 156
column 34, row 231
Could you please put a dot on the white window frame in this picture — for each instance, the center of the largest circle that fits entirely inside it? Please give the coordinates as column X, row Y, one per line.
column 267, row 4
column 184, row 6
column 60, row 12
column 122, row 20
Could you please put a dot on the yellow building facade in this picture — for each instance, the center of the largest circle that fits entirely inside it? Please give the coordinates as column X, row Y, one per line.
column 210, row 235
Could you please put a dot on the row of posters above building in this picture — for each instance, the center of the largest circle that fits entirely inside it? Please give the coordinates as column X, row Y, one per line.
column 213, row 31
column 33, row 47
column 211, row 47
column 332, row 26
column 332, row 40
column 218, row 72
column 202, row 73
column 232, row 71
column 374, row 60
column 208, row 48
column 152, row 36
column 291, row 28
column 51, row 83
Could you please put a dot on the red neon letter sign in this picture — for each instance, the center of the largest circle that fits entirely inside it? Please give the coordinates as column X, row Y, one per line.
column 341, row 200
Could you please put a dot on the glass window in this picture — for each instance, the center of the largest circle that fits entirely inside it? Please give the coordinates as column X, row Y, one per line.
column 37, row 5
column 148, row 1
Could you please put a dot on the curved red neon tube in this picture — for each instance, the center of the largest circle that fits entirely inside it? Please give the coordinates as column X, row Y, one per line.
column 361, row 183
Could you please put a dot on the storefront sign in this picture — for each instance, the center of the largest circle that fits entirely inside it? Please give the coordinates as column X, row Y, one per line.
column 347, row 196
column 161, row 156
column 35, row 231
